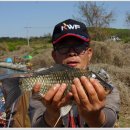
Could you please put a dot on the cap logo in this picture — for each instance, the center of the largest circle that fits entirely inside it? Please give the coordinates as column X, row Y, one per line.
column 69, row 27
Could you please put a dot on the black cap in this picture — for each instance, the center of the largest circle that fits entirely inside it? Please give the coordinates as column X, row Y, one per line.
column 68, row 28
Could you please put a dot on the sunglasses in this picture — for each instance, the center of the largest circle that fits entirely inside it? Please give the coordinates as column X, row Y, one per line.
column 79, row 48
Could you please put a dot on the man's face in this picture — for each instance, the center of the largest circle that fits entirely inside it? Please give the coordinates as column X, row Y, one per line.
column 72, row 52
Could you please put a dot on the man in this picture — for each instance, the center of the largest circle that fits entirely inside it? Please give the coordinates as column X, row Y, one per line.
column 71, row 43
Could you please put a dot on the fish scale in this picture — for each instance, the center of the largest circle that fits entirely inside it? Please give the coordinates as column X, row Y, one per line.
column 14, row 87
column 47, row 81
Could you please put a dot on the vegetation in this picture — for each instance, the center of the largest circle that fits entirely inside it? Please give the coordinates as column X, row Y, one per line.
column 123, row 34
column 112, row 56
column 106, row 33
column 11, row 44
column 97, row 18
column 95, row 15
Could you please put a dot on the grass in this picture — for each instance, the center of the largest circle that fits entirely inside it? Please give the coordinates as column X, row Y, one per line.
column 123, row 122
column 113, row 57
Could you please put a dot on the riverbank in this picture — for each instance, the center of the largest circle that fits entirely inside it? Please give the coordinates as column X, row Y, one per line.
column 18, row 67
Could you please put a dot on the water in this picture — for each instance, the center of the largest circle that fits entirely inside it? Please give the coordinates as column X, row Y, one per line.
column 5, row 72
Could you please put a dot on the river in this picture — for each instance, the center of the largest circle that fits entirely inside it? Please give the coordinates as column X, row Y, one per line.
column 5, row 72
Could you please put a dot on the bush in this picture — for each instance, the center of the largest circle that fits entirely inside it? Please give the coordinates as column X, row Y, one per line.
column 43, row 59
column 111, row 53
column 127, row 40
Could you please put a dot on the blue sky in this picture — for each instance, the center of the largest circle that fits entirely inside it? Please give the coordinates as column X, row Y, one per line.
column 42, row 16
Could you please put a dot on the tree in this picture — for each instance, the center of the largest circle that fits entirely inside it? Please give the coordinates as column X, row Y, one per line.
column 128, row 18
column 97, row 17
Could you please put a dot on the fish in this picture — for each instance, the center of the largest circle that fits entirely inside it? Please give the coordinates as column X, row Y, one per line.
column 59, row 73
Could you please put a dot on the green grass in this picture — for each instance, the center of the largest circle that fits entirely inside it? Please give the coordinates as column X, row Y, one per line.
column 123, row 122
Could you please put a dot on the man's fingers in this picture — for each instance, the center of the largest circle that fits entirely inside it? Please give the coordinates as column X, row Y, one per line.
column 90, row 90
column 80, row 91
column 75, row 94
column 48, row 97
column 58, row 96
column 99, row 89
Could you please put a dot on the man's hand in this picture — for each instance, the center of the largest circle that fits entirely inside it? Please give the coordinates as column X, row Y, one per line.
column 89, row 96
column 53, row 101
